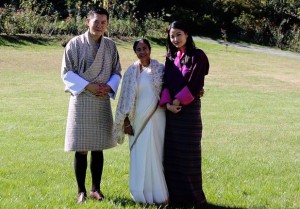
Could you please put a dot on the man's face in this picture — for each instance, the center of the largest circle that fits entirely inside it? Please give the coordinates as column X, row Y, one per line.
column 97, row 24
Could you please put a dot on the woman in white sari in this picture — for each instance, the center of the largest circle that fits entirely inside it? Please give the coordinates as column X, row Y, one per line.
column 139, row 115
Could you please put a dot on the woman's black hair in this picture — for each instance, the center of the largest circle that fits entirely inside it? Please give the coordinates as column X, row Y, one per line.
column 190, row 45
column 143, row 40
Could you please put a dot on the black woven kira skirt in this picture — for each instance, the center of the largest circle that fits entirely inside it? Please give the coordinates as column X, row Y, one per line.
column 182, row 155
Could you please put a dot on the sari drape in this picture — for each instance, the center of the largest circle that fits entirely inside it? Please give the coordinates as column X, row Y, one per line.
column 139, row 97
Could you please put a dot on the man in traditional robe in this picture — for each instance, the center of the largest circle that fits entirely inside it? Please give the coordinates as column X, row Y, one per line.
column 91, row 72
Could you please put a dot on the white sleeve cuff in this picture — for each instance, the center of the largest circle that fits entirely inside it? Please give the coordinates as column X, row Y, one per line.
column 74, row 83
column 114, row 84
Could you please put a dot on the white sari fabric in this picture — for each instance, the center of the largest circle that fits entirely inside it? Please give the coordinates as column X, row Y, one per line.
column 138, row 98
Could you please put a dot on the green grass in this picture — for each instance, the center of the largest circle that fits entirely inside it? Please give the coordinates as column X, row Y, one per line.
column 251, row 137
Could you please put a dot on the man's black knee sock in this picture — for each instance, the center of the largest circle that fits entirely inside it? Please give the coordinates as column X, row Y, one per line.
column 80, row 165
column 96, row 167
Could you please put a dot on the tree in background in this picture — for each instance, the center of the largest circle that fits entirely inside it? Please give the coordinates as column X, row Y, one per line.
column 268, row 22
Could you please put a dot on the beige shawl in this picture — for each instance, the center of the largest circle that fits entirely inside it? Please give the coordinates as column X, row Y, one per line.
column 127, row 100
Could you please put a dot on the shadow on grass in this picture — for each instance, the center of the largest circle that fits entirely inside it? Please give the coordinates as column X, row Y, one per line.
column 26, row 40
column 123, row 201
column 126, row 202
column 212, row 206
column 6, row 40
column 208, row 206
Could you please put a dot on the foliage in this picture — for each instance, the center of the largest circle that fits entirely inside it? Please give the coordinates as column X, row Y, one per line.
column 129, row 21
column 7, row 19
column 266, row 22
column 30, row 18
column 34, row 18
column 131, row 26
column 119, row 28
column 262, row 22
column 293, row 40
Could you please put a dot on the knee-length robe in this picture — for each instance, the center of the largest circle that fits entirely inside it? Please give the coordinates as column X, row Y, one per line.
column 138, row 99
column 89, row 122
column 182, row 150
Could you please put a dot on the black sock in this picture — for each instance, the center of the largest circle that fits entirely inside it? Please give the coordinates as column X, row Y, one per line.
column 96, row 167
column 80, row 165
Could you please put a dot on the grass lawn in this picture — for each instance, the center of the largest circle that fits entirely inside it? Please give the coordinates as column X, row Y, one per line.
column 251, row 137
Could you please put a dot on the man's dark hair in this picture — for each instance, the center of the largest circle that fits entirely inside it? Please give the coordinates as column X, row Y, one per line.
column 98, row 10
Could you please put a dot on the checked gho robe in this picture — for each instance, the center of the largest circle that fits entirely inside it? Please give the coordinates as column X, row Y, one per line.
column 89, row 121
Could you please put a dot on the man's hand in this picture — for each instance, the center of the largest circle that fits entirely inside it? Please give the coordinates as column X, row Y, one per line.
column 99, row 89
column 104, row 89
column 94, row 88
